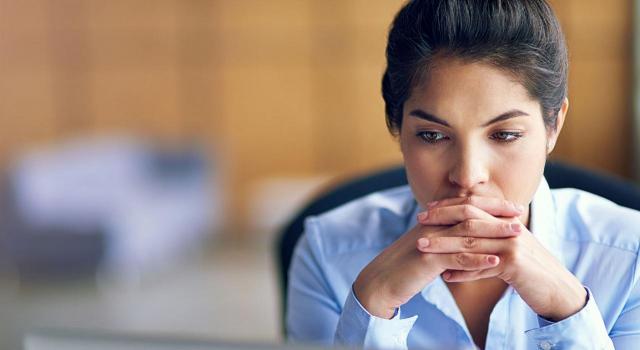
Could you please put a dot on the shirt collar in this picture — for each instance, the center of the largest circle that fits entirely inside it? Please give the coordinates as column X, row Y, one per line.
column 542, row 217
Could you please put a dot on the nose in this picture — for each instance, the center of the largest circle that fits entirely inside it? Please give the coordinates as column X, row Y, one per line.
column 470, row 167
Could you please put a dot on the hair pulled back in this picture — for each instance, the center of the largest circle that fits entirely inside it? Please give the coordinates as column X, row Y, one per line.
column 521, row 37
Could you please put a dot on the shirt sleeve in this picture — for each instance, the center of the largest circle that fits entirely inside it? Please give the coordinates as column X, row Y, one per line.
column 625, row 333
column 582, row 330
column 315, row 316
column 357, row 327
column 312, row 309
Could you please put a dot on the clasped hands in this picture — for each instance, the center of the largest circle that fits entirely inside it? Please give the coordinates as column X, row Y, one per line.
column 466, row 239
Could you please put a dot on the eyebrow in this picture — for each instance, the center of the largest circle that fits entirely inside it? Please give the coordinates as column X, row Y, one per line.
column 432, row 118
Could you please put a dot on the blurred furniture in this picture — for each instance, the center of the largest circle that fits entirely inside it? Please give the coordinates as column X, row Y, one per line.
column 114, row 204
column 558, row 175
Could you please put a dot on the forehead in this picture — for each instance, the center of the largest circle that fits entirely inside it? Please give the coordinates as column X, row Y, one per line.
column 454, row 88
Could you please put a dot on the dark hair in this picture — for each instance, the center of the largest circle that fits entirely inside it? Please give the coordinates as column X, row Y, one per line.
column 522, row 37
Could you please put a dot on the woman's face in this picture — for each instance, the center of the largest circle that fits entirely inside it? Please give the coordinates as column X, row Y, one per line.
column 472, row 129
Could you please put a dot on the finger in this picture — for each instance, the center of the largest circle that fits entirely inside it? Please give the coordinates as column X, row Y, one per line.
column 467, row 276
column 441, row 245
column 494, row 206
column 484, row 229
column 452, row 215
column 464, row 261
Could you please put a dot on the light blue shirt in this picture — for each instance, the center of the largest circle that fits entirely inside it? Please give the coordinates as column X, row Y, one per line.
column 597, row 241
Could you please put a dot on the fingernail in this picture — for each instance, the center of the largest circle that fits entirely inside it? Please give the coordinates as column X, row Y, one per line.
column 432, row 204
column 516, row 228
column 423, row 216
column 446, row 275
column 423, row 243
column 519, row 207
column 493, row 260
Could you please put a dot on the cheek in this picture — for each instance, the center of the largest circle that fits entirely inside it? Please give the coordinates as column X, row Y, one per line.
column 425, row 171
column 520, row 171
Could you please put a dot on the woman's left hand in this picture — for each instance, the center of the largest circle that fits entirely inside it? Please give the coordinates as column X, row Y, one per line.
column 539, row 278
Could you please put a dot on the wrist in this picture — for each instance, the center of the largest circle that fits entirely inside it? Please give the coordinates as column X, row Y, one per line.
column 371, row 302
column 567, row 304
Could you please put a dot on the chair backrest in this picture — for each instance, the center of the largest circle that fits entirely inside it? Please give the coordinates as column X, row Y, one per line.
column 558, row 175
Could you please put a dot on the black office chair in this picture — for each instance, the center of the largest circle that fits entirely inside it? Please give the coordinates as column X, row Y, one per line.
column 558, row 175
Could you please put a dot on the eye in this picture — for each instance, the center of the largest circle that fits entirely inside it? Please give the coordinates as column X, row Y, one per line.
column 431, row 136
column 506, row 136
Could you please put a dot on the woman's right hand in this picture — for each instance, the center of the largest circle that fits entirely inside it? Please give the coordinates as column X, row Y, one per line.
column 401, row 271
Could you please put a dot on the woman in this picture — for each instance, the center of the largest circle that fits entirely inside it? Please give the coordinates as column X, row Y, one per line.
column 477, row 251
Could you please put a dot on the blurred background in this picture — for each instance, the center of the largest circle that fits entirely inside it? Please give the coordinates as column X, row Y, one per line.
column 151, row 150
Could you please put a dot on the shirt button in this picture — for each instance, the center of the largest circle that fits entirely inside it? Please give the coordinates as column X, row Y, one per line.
column 545, row 345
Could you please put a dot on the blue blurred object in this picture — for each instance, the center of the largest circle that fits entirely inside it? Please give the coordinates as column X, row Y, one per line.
column 118, row 204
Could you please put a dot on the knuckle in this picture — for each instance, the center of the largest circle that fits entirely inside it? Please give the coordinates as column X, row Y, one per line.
column 475, row 200
column 468, row 226
column 461, row 259
column 470, row 242
column 434, row 242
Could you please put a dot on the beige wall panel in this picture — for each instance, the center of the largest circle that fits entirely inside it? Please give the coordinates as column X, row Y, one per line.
column 256, row 14
column 599, row 136
column 331, row 16
column 143, row 100
column 586, row 11
column 26, row 100
column 200, row 102
column 131, row 15
column 376, row 147
column 268, row 119
column 27, row 109
column 132, row 35
column 561, row 9
column 369, row 45
column 273, row 46
column 601, row 39
column 334, row 119
column 124, row 50
column 24, row 49
column 374, row 14
column 268, row 127
column 24, row 14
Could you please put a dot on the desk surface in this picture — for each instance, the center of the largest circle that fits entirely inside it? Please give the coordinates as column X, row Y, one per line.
column 82, row 340
column 214, row 296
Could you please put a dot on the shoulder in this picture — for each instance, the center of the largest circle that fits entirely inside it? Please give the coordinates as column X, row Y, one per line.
column 370, row 222
column 589, row 217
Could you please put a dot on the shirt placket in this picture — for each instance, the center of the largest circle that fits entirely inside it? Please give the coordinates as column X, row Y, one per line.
column 498, row 330
column 438, row 295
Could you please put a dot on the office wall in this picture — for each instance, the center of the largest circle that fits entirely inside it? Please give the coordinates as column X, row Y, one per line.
column 279, row 88
column 599, row 124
